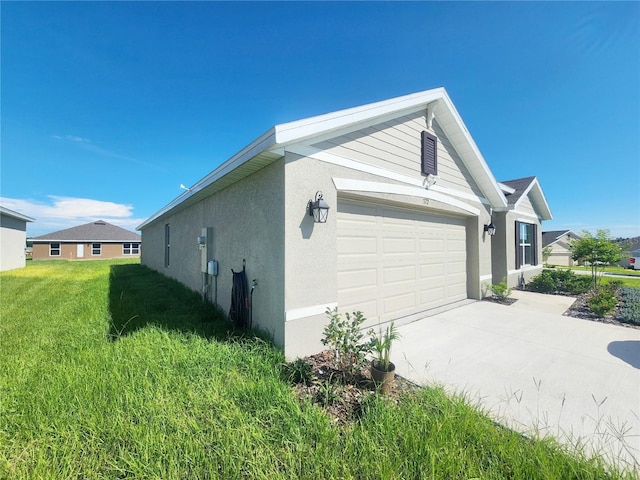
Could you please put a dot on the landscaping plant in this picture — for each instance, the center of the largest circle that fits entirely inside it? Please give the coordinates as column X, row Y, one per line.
column 382, row 346
column 345, row 338
column 597, row 251
column 501, row 290
column 559, row 281
column 603, row 301
column 630, row 309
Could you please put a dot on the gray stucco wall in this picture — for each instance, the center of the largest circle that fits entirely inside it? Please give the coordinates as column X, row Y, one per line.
column 504, row 250
column 247, row 220
column 13, row 238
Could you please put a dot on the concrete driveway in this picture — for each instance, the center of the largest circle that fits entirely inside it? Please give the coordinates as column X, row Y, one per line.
column 535, row 370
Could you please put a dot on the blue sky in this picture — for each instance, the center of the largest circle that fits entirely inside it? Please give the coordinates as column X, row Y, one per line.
column 108, row 107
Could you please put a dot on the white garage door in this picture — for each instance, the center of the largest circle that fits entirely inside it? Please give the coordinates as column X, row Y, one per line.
column 394, row 262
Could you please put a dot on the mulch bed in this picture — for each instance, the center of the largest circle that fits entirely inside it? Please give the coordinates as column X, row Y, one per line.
column 343, row 396
column 580, row 309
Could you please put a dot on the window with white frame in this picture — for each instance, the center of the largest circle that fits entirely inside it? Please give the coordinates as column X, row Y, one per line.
column 96, row 249
column 130, row 248
column 526, row 244
column 54, row 249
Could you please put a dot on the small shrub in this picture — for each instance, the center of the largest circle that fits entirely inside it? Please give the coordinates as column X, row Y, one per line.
column 630, row 310
column 298, row 371
column 560, row 280
column 345, row 337
column 543, row 283
column 501, row 291
column 603, row 301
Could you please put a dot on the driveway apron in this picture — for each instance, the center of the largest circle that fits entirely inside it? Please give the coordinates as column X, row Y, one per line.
column 535, row 370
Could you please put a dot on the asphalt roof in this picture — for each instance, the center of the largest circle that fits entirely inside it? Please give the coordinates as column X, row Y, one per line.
column 552, row 236
column 98, row 231
column 520, row 185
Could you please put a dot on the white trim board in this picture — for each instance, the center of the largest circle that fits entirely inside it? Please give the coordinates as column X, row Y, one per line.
column 347, row 184
column 317, row 154
column 304, row 312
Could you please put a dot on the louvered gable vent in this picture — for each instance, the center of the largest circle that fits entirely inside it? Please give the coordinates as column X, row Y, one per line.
column 429, row 154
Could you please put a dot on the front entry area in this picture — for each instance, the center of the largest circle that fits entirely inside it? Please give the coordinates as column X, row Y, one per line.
column 394, row 262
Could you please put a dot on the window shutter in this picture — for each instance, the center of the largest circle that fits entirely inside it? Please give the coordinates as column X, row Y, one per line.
column 429, row 154
column 534, row 244
column 518, row 249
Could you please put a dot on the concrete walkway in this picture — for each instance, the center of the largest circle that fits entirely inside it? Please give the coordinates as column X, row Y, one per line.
column 535, row 370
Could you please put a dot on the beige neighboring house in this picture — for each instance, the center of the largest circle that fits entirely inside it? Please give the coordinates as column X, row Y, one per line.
column 410, row 199
column 13, row 239
column 559, row 241
column 91, row 241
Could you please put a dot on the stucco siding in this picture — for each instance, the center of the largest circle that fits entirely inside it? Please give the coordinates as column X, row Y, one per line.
column 396, row 146
column 12, row 243
column 247, row 219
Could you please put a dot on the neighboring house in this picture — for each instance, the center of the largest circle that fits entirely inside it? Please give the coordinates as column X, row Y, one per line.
column 409, row 198
column 630, row 248
column 559, row 241
column 92, row 241
column 13, row 239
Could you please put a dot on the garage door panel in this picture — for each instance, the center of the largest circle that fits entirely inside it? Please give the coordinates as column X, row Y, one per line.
column 431, row 296
column 357, row 278
column 398, row 305
column 431, row 245
column 405, row 246
column 354, row 245
column 394, row 262
column 432, row 270
column 398, row 274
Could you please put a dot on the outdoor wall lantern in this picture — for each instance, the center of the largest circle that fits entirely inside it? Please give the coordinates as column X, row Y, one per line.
column 318, row 209
column 490, row 229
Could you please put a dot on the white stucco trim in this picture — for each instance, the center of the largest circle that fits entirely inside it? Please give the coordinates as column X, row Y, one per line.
column 486, row 277
column 526, row 217
column 317, row 154
column 347, row 184
column 298, row 313
column 525, row 268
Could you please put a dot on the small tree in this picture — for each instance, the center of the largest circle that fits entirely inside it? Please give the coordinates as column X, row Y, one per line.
column 598, row 251
column 546, row 253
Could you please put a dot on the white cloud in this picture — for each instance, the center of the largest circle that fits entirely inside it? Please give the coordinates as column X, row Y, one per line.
column 65, row 212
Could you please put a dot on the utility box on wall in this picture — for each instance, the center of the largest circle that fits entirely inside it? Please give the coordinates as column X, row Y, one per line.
column 205, row 243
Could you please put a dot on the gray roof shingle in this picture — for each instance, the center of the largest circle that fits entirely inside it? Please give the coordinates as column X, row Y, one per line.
column 98, row 231
column 520, row 185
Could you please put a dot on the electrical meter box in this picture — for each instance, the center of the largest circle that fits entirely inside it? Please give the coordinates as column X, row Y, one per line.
column 212, row 268
column 205, row 243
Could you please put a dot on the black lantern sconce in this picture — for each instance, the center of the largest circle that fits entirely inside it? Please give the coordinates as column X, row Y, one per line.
column 490, row 229
column 318, row 209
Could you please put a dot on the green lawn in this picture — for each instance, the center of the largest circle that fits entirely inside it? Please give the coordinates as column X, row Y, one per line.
column 110, row 370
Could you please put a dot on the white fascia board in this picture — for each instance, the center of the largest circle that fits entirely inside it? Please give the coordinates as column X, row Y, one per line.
column 506, row 188
column 16, row 215
column 321, row 124
column 261, row 144
column 476, row 164
column 538, row 199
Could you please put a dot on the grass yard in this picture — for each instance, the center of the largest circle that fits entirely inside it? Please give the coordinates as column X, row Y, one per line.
column 110, row 370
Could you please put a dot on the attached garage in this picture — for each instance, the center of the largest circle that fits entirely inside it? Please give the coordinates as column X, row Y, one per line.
column 395, row 262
